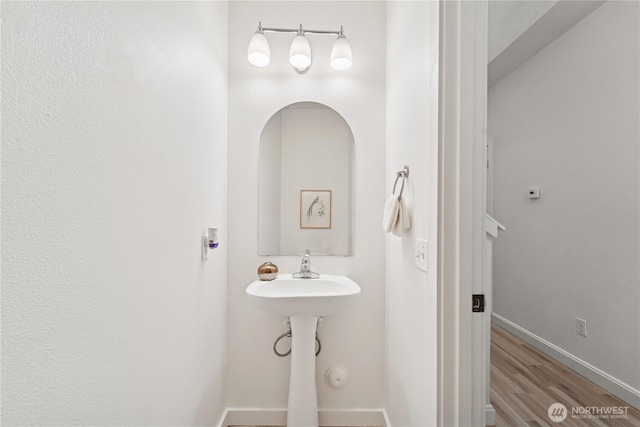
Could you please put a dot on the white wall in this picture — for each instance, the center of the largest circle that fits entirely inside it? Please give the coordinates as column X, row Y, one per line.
column 412, row 139
column 354, row 339
column 113, row 163
column 567, row 121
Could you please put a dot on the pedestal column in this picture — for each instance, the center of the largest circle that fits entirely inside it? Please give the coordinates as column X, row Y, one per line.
column 303, row 398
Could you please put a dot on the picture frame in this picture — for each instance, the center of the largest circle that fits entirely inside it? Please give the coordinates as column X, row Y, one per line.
column 315, row 209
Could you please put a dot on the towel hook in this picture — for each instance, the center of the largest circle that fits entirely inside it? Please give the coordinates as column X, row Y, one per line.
column 404, row 173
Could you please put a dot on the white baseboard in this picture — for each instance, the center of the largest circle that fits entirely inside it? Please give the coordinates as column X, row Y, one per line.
column 328, row 418
column 614, row 386
column 489, row 415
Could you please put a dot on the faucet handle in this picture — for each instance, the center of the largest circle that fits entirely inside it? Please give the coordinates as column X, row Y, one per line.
column 307, row 252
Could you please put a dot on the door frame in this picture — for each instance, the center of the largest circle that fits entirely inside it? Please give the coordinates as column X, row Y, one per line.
column 462, row 339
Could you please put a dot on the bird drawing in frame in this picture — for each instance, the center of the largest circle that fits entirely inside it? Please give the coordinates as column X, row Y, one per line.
column 310, row 210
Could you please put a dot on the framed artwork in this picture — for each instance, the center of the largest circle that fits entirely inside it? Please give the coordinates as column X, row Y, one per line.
column 315, row 208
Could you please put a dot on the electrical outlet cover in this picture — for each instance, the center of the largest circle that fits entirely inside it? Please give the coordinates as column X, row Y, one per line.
column 581, row 326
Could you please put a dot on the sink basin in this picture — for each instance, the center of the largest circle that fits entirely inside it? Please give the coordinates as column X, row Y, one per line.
column 285, row 295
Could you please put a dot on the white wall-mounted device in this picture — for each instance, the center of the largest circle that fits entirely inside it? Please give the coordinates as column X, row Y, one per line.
column 533, row 193
column 209, row 241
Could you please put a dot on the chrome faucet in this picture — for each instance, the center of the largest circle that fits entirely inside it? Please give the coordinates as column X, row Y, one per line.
column 305, row 268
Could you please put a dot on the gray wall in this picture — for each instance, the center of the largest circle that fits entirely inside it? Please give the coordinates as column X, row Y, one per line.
column 567, row 121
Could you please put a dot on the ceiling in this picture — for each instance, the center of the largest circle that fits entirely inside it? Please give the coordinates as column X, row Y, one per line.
column 519, row 29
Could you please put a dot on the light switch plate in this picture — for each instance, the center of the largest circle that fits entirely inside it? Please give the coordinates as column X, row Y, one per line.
column 421, row 254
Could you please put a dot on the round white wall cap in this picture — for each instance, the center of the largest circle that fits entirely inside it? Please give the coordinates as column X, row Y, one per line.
column 337, row 376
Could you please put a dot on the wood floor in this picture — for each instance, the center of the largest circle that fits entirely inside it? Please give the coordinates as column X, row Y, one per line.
column 525, row 382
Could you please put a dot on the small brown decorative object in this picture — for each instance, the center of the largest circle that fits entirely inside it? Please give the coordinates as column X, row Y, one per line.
column 268, row 271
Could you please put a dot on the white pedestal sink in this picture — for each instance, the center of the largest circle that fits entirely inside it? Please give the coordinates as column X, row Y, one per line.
column 303, row 300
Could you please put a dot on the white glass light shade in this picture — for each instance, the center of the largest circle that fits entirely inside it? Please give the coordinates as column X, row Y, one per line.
column 300, row 53
column 341, row 56
column 259, row 53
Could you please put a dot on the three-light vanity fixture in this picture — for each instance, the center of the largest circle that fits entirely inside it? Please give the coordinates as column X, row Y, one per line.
column 259, row 53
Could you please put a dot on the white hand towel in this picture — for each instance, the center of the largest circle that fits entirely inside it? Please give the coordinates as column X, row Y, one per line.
column 403, row 221
column 391, row 208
